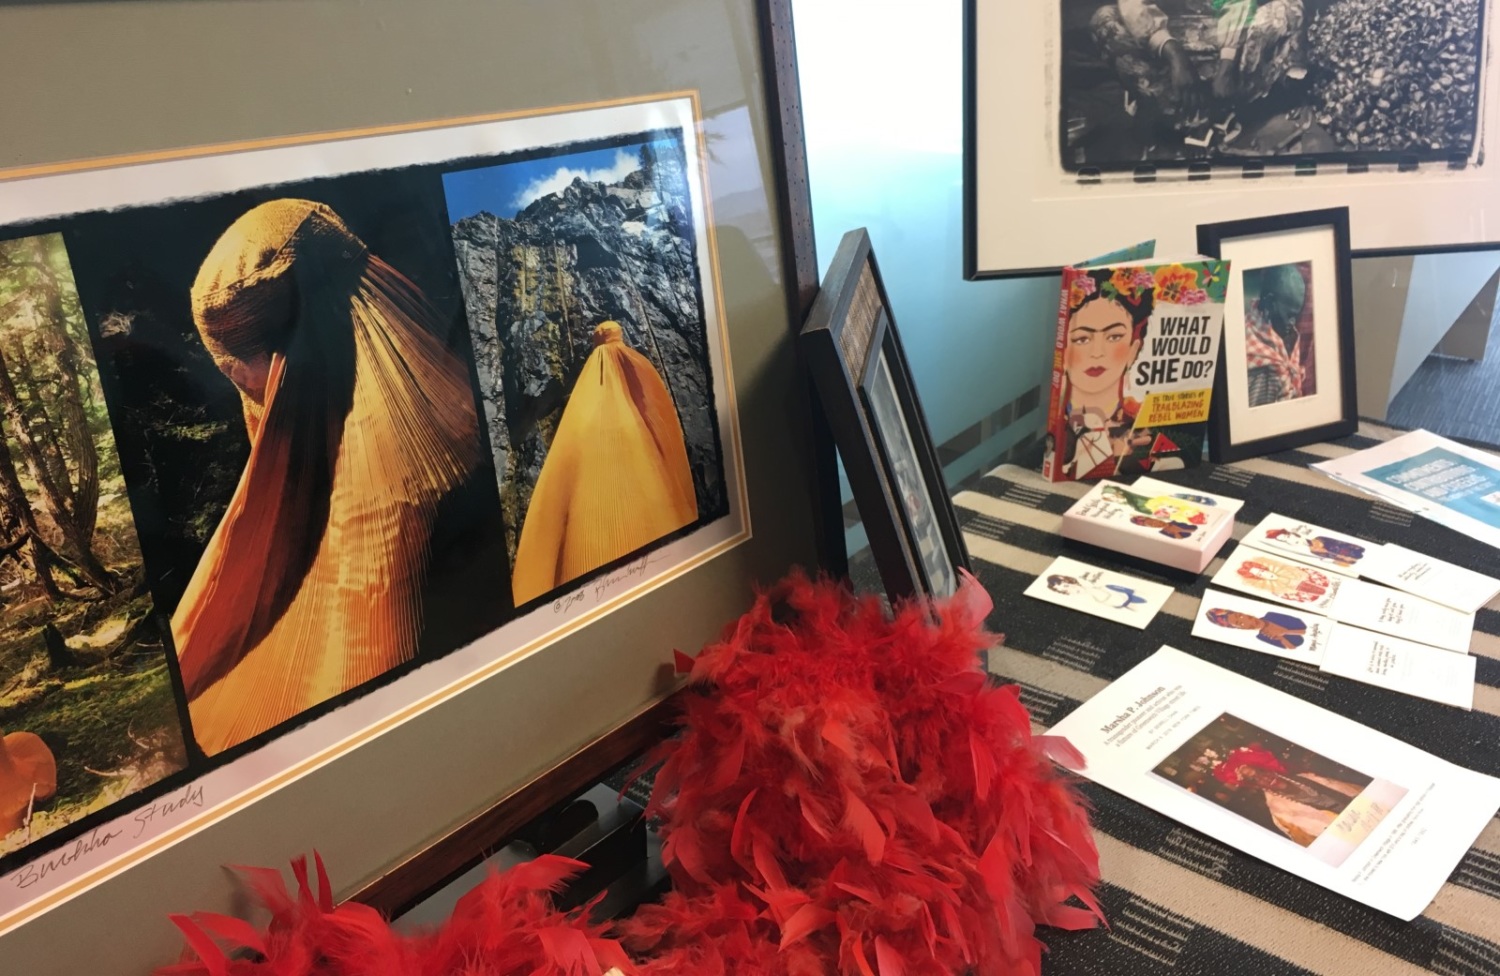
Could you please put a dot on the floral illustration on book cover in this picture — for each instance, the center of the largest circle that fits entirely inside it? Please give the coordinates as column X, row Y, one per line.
column 1133, row 368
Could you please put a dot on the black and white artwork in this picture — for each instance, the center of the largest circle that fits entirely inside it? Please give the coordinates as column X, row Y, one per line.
column 1168, row 83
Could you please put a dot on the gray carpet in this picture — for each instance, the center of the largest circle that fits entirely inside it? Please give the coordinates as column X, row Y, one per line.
column 1454, row 397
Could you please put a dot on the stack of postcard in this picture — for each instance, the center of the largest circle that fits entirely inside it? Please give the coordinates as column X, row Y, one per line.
column 1411, row 635
column 1392, row 565
column 1328, row 799
column 1154, row 521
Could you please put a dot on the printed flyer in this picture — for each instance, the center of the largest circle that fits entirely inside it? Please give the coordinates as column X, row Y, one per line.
column 1313, row 793
column 1443, row 480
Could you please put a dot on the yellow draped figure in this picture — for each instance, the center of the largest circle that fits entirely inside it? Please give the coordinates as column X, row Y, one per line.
column 361, row 420
column 616, row 477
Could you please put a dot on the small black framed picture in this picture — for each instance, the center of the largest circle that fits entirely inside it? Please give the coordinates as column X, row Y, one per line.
column 854, row 354
column 1286, row 365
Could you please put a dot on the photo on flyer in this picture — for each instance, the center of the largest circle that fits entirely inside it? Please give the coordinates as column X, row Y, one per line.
column 1309, row 799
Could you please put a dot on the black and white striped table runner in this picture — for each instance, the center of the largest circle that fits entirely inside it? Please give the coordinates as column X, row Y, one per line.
column 1180, row 902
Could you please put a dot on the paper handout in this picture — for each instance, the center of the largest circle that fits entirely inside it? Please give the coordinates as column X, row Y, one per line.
column 1448, row 482
column 1311, row 792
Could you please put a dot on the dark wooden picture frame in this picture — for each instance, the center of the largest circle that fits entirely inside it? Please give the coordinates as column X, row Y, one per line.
column 859, row 368
column 1229, row 418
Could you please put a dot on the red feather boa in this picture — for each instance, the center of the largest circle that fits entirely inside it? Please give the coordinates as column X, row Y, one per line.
column 849, row 795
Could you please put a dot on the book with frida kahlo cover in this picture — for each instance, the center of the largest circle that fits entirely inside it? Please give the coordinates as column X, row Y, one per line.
column 1133, row 369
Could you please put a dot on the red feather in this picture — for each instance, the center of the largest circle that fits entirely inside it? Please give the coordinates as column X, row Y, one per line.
column 984, row 766
column 728, row 769
column 803, row 923
column 546, row 873
column 232, row 930
column 886, row 959
column 846, row 782
column 568, row 950
column 738, row 838
column 209, row 953
column 859, row 819
column 325, row 887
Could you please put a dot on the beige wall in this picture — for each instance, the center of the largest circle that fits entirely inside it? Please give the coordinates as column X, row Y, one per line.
column 90, row 79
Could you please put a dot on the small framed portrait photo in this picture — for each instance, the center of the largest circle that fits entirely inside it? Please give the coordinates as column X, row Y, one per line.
column 851, row 347
column 1286, row 366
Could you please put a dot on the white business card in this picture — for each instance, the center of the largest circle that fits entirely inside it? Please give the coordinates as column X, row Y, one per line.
column 1430, row 578
column 1401, row 665
column 1113, row 596
column 1324, row 548
column 1263, row 627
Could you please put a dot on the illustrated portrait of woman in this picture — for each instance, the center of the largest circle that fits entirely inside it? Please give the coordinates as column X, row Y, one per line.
column 1110, row 594
column 1335, row 551
column 1108, row 312
column 1277, row 629
column 1165, row 507
column 361, row 422
column 1300, row 584
column 1172, row 530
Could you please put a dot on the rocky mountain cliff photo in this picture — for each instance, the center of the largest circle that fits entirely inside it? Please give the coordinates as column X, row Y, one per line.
column 535, row 287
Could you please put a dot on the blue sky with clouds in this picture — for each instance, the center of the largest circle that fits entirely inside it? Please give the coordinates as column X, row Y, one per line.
column 508, row 188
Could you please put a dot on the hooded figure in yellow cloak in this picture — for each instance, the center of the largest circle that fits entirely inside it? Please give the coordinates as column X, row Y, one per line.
column 616, row 477
column 361, row 420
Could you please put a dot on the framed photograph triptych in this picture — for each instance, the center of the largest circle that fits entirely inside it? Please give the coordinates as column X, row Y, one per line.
column 301, row 438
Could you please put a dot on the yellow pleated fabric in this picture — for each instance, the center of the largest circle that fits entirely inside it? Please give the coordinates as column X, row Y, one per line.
column 361, row 421
column 616, row 477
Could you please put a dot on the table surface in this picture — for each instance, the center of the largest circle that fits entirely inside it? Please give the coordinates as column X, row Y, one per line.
column 1177, row 900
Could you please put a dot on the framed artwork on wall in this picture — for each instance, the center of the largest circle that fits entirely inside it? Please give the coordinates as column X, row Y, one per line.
column 1089, row 121
column 295, row 480
column 1286, row 372
column 854, row 354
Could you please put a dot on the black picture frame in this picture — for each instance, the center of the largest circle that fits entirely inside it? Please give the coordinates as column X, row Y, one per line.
column 1228, row 438
column 853, row 352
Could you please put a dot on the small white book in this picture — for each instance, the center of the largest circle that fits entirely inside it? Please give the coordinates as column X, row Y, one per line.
column 1160, row 528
